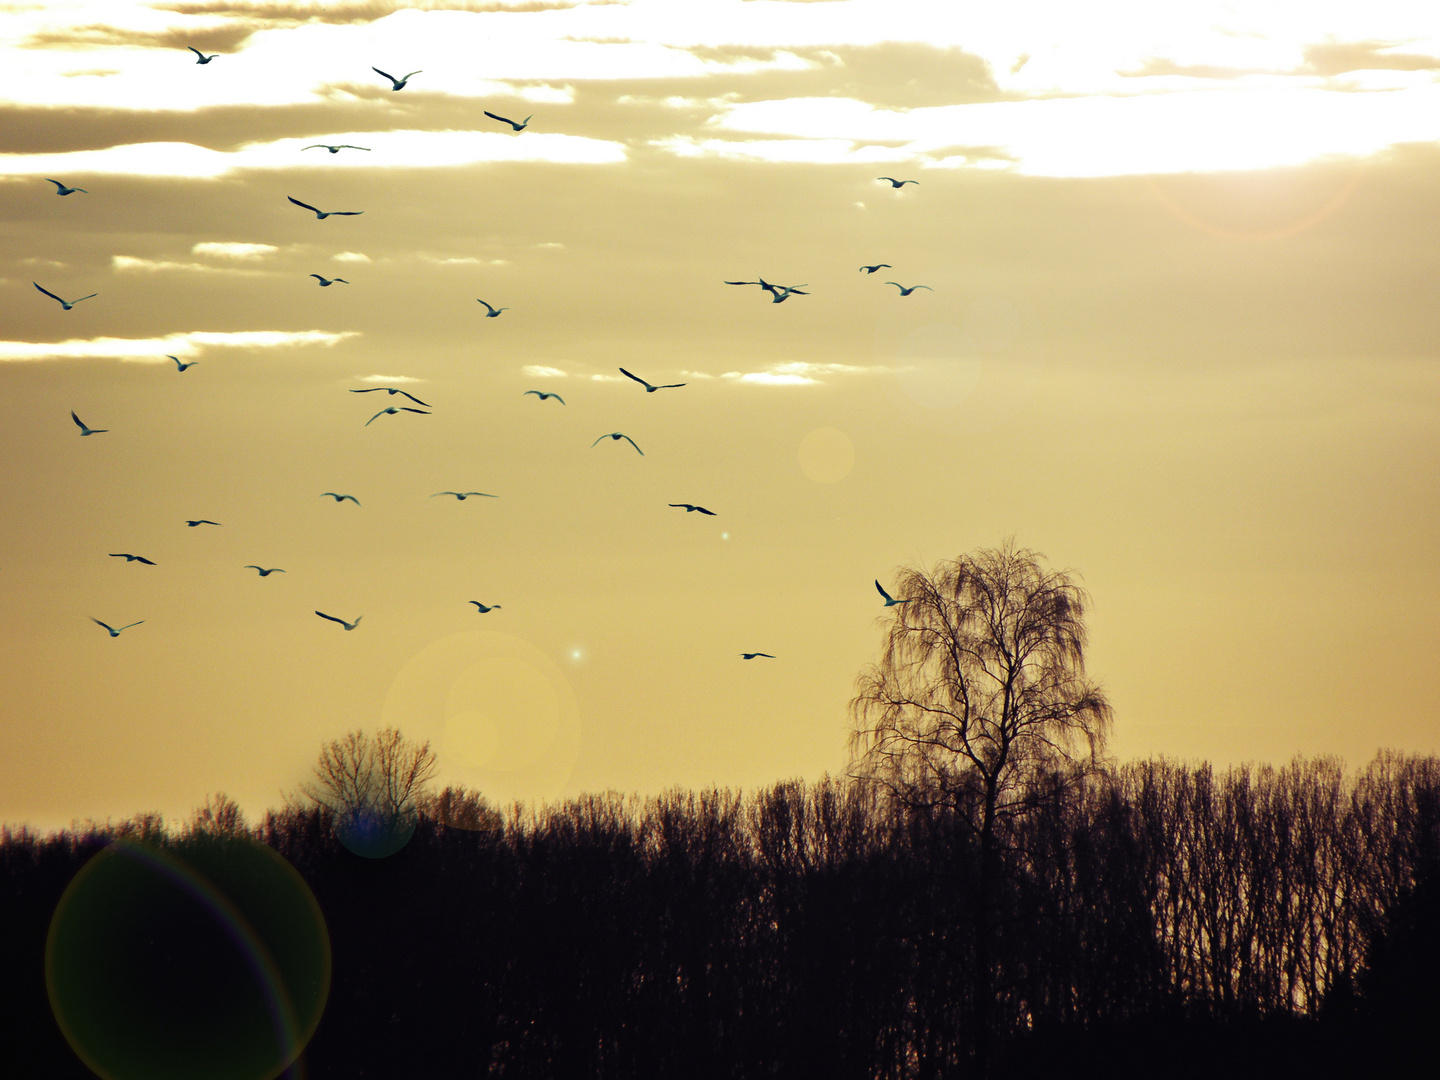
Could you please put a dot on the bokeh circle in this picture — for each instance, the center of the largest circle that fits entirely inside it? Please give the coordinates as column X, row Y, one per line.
column 206, row 960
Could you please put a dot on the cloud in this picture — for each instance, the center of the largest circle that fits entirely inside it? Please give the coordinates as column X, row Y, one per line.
column 541, row 371
column 767, row 378
column 351, row 257
column 128, row 263
column 234, row 251
column 155, row 350
column 388, row 379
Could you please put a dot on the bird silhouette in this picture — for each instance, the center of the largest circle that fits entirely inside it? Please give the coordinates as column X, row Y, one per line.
column 483, row 608
column 181, row 366
column 113, row 631
column 463, row 495
column 890, row 601
column 617, row 436
column 263, row 571
column 66, row 304
column 201, row 58
column 342, row 622
column 906, row 292
column 897, row 183
column 491, row 312
column 392, row 410
column 507, row 120
column 327, row 282
column 86, row 430
column 396, row 84
column 542, row 395
column 63, row 190
column 333, row 149
column 752, row 655
column 392, row 391
column 130, row 558
column 323, row 214
column 202, row 521
column 691, row 509
column 781, row 293
column 650, row 388
column 340, row 498
column 877, row 266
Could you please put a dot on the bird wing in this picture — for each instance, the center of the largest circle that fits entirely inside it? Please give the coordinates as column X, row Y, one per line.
column 367, row 390
column 315, row 146
column 332, row 618
column 637, row 378
column 81, row 423
column 494, row 116
column 412, row 397
column 896, row 284
column 487, row 306
column 883, row 593
column 196, row 51
column 671, row 386
column 925, row 287
column 377, row 416
column 422, row 412
column 702, row 510
column 128, row 625
column 297, row 202
column 74, row 302
column 317, row 277
column 47, row 292
column 251, row 566
column 392, row 79
column 345, row 213
column 341, row 280
column 141, row 558
column 106, row 625
column 742, row 283
column 631, row 441
column 597, row 441
column 347, row 146
column 412, row 73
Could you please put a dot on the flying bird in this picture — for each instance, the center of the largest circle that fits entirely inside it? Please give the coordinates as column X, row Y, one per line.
column 890, row 601
column 340, row 498
column 63, row 190
column 342, row 622
column 392, row 391
column 649, row 388
column 201, row 58
column 781, row 293
column 66, row 304
column 323, row 214
column 86, row 430
column 897, row 183
column 507, row 120
column 327, row 282
column 542, row 395
column 392, row 409
column 617, row 436
column 333, row 149
column 463, row 495
column 877, row 266
column 690, row 509
column 181, row 366
column 483, row 608
column 113, row 631
column 202, row 521
column 491, row 312
column 129, row 558
column 263, row 571
column 752, row 655
column 396, row 84
column 906, row 292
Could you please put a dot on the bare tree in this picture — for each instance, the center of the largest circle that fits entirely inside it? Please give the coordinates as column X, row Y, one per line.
column 980, row 707
column 372, row 786
column 219, row 816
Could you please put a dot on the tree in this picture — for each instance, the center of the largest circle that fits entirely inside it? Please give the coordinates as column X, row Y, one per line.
column 373, row 787
column 980, row 707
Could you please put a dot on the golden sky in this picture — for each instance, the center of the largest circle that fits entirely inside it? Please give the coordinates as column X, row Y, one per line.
column 1181, row 338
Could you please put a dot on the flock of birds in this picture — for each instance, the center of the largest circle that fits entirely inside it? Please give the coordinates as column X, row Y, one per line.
column 779, row 294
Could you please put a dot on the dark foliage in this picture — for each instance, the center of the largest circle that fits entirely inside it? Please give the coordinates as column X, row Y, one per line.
column 1158, row 920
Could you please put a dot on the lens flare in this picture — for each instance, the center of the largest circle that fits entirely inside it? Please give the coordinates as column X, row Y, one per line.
column 208, row 960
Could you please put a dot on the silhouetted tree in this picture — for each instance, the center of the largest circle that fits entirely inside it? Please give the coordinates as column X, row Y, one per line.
column 372, row 787
column 980, row 705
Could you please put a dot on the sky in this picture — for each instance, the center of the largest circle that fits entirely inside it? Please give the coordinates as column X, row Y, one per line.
column 1180, row 337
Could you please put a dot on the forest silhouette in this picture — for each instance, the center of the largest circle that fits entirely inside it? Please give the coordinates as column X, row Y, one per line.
column 983, row 895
